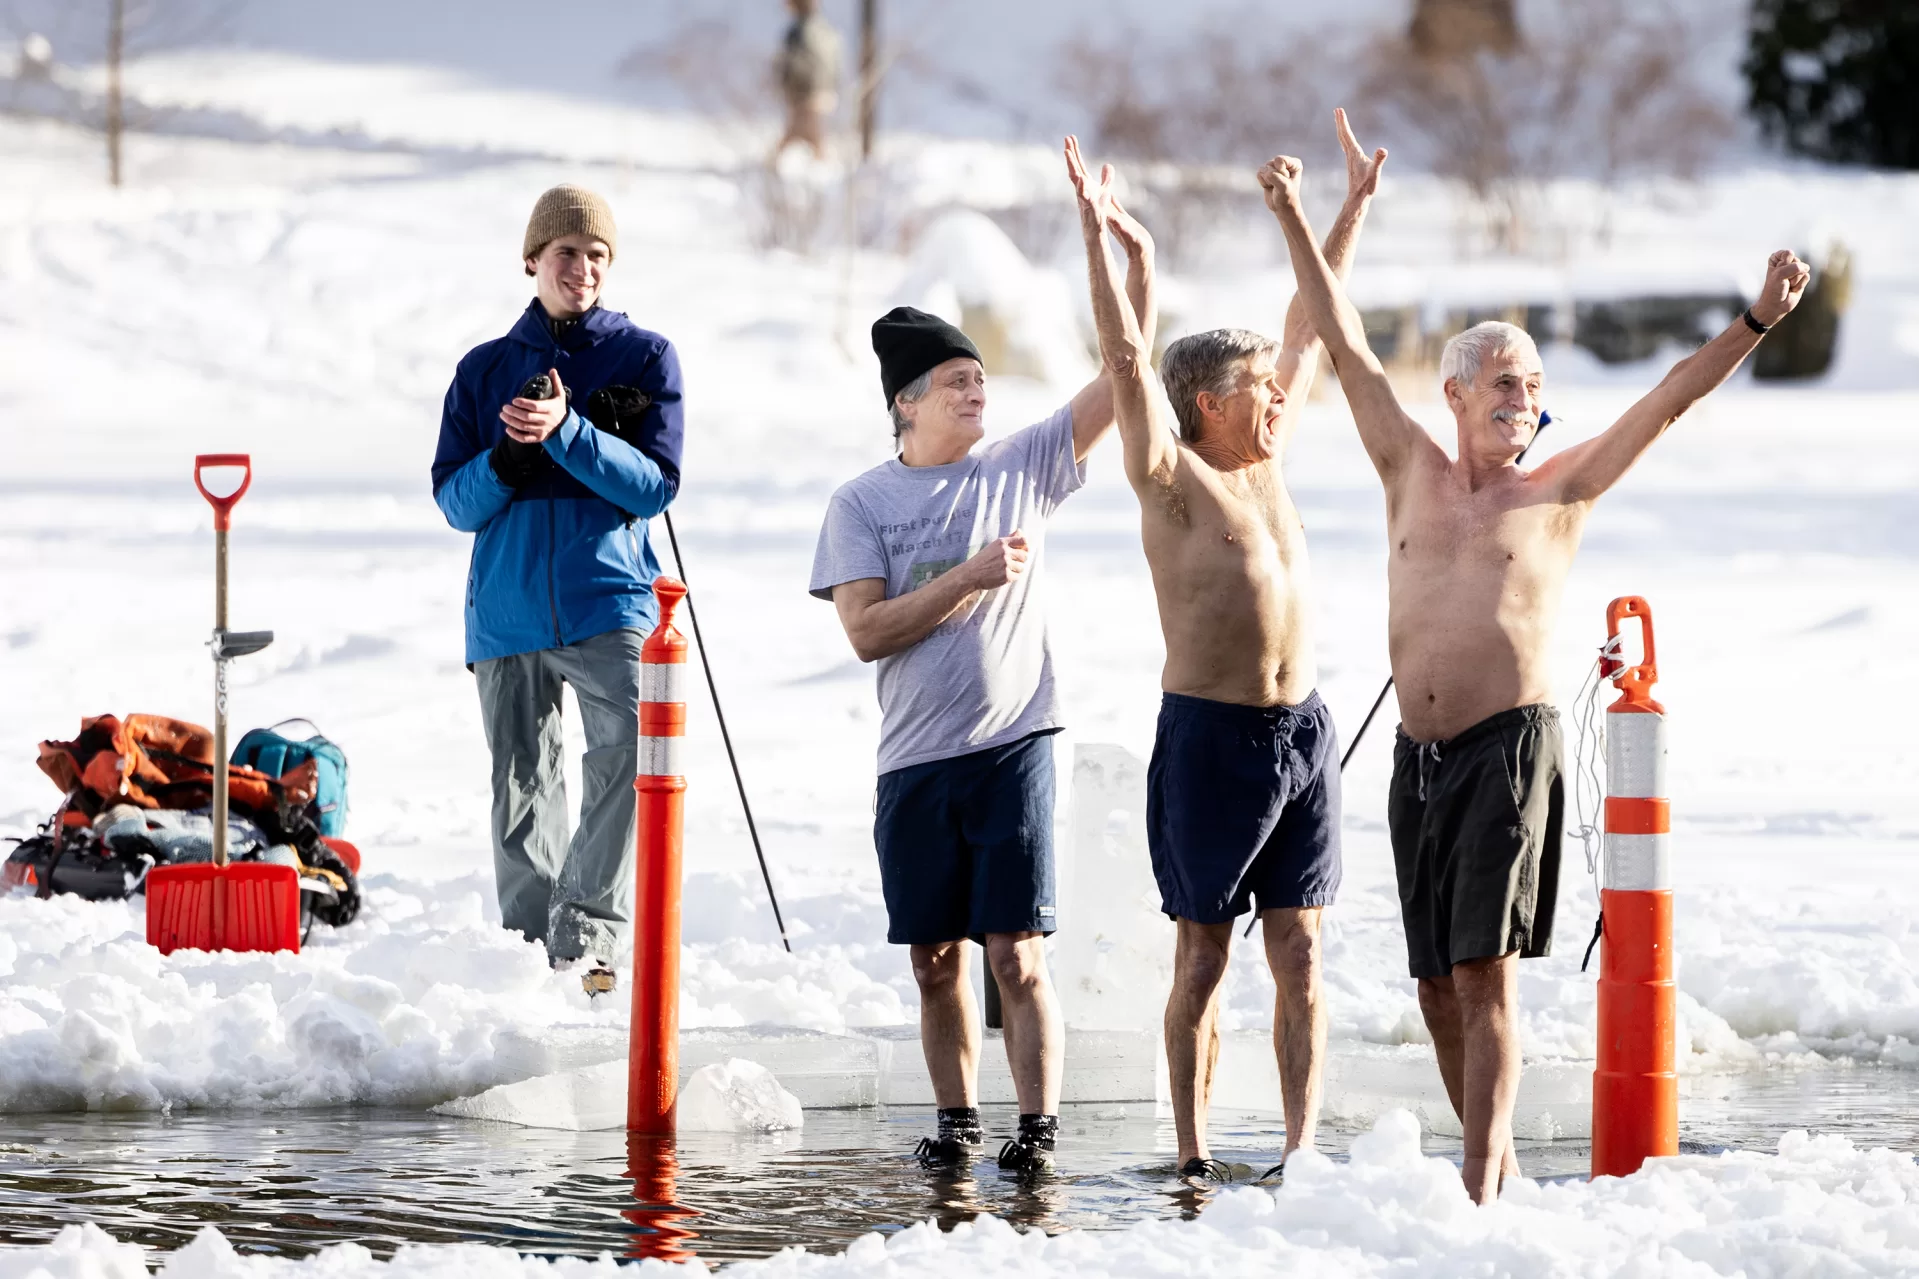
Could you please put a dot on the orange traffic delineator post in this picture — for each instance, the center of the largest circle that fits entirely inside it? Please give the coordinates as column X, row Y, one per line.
column 1635, row 1085
column 223, row 906
column 653, row 1053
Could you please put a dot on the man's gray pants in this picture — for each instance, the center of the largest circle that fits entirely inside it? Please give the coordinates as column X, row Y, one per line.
column 576, row 897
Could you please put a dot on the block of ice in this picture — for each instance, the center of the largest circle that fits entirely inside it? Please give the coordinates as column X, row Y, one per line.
column 737, row 1095
column 1114, row 944
column 588, row 1100
column 826, row 1072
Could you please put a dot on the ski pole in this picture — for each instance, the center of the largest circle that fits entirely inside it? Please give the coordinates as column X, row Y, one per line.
column 1366, row 723
column 1346, row 758
column 725, row 736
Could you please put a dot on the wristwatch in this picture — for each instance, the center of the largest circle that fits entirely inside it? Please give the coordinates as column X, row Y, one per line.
column 1752, row 322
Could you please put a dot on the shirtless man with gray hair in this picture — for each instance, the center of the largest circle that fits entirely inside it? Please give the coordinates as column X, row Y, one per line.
column 1243, row 789
column 1479, row 551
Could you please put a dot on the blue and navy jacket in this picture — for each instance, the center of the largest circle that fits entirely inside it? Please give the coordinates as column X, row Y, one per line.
column 557, row 561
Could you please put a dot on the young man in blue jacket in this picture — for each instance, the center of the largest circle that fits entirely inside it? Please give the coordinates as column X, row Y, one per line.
column 557, row 492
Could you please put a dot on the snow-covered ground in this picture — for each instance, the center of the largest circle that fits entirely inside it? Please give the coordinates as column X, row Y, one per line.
column 307, row 305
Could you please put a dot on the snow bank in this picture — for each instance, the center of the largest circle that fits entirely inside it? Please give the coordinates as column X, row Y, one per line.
column 425, row 997
column 969, row 272
column 1818, row 1206
column 422, row 999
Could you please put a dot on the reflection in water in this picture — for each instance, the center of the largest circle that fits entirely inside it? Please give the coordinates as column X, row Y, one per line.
column 653, row 1166
column 291, row 1183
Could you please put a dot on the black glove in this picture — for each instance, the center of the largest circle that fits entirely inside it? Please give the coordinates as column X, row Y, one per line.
column 518, row 464
column 617, row 409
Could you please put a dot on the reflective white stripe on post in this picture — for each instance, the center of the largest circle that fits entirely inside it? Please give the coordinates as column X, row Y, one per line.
column 661, row 756
column 1638, row 863
column 1638, row 854
column 1635, row 753
column 663, row 681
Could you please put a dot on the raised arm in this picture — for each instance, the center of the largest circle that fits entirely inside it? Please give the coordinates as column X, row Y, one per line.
column 1589, row 468
column 1093, row 406
column 1125, row 343
column 1299, row 358
column 1389, row 435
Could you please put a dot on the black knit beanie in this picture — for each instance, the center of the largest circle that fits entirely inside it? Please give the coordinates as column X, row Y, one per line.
column 910, row 342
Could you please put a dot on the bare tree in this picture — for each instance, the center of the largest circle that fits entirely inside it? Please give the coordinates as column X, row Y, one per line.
column 729, row 80
column 1202, row 112
column 1604, row 89
column 117, row 31
column 116, row 101
column 869, row 95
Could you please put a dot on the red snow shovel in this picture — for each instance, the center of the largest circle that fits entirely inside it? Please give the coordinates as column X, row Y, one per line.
column 217, row 906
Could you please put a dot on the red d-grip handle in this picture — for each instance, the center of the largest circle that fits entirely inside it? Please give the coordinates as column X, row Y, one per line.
column 223, row 506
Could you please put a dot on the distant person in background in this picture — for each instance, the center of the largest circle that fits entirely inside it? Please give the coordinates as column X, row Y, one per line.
column 934, row 560
column 560, row 588
column 1243, row 800
column 808, row 70
column 1478, row 555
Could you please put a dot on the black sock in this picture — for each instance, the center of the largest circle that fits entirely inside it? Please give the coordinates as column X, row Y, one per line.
column 961, row 1123
column 1039, row 1130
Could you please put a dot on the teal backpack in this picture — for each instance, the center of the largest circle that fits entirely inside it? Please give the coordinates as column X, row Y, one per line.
column 273, row 754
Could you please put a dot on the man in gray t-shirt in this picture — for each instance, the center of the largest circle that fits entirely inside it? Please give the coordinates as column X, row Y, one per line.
column 983, row 676
column 934, row 561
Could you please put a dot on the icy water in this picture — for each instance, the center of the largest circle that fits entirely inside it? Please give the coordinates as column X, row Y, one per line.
column 292, row 1182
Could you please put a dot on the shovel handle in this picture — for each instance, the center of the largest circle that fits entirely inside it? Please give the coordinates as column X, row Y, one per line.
column 223, row 506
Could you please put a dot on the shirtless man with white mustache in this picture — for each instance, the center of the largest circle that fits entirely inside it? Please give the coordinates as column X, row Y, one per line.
column 1479, row 551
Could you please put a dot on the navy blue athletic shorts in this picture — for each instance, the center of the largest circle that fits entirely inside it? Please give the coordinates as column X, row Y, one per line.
column 1242, row 803
column 966, row 844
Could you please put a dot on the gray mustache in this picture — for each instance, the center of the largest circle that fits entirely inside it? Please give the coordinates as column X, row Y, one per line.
column 1510, row 415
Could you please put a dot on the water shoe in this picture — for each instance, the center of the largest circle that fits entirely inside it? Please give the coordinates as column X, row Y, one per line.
column 945, row 1153
column 1197, row 1169
column 1026, row 1158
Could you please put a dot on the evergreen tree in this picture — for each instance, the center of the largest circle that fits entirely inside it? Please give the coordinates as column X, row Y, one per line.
column 1837, row 79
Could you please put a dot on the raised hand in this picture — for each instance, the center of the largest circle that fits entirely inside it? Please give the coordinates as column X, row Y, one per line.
column 1362, row 171
column 1279, row 181
column 1096, row 202
column 1134, row 238
column 1786, row 280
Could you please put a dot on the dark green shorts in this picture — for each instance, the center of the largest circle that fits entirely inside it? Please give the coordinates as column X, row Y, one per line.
column 1475, row 824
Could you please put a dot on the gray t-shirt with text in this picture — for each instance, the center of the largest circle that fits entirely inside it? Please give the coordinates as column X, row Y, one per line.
column 984, row 676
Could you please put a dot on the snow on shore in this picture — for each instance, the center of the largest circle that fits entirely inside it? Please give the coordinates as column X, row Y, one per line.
column 1818, row 1206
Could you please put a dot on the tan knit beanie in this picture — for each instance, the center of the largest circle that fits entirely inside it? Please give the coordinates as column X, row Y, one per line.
column 569, row 210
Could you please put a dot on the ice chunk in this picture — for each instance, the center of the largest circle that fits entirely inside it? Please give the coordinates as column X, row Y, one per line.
column 737, row 1096
column 1113, row 944
column 589, row 1100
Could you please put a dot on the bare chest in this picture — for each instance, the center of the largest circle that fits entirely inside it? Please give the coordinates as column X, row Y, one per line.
column 1443, row 532
column 1241, row 514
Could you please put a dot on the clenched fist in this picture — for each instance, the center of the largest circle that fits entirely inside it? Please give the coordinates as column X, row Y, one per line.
column 1786, row 280
column 1000, row 561
column 1279, row 181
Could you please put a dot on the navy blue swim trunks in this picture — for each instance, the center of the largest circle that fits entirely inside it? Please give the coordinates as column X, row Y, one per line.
column 966, row 844
column 1242, row 803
